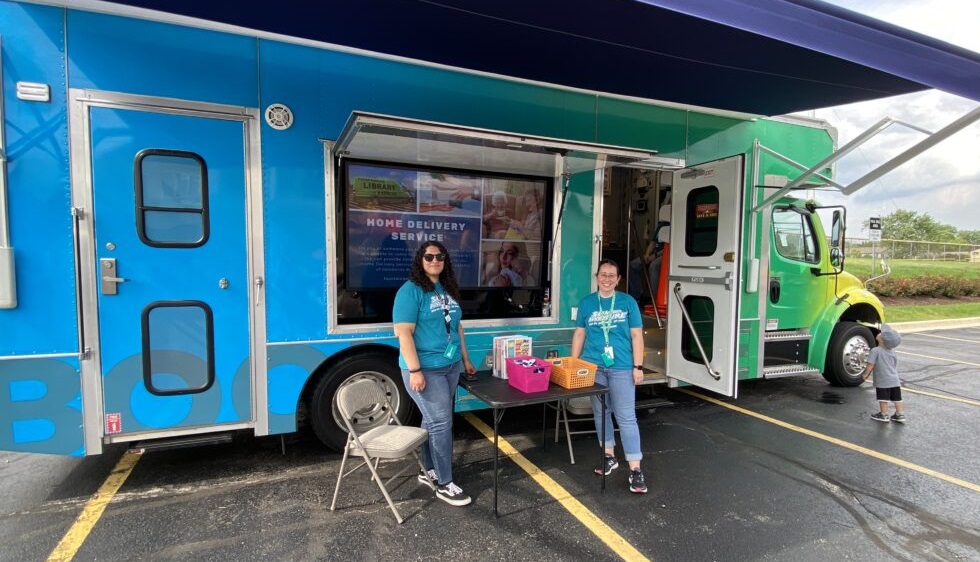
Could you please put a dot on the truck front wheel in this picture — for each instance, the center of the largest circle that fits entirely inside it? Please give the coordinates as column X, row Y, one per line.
column 324, row 414
column 847, row 354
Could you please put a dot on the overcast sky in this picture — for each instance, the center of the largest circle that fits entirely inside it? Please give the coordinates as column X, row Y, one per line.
column 944, row 181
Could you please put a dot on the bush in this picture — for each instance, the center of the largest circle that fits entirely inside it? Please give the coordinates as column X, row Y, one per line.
column 925, row 286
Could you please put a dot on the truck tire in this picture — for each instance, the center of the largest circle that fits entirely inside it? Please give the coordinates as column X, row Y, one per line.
column 324, row 415
column 847, row 354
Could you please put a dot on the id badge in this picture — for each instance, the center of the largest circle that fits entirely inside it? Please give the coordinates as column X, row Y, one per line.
column 607, row 357
column 450, row 351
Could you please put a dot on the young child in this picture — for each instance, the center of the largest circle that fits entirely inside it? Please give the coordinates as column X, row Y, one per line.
column 884, row 364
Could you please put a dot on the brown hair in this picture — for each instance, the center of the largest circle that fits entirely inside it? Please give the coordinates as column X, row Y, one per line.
column 447, row 277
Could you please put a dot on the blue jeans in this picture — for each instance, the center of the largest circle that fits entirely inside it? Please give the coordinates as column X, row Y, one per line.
column 436, row 402
column 621, row 401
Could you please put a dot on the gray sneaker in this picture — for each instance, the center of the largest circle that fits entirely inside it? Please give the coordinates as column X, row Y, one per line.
column 609, row 463
column 429, row 478
column 452, row 494
column 879, row 417
column 638, row 484
column 898, row 418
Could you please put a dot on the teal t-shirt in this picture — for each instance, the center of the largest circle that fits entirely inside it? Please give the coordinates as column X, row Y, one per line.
column 427, row 312
column 593, row 312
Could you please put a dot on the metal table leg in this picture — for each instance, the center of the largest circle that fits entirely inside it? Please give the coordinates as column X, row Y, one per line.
column 602, row 447
column 497, row 415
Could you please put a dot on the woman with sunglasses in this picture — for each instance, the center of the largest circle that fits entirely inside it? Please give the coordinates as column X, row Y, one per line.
column 426, row 318
column 609, row 333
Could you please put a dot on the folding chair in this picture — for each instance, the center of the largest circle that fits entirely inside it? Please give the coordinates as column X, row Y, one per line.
column 581, row 406
column 384, row 441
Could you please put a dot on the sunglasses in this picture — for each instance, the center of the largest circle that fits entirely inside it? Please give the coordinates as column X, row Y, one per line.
column 437, row 257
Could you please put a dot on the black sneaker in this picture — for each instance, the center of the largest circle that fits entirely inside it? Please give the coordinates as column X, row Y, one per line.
column 878, row 416
column 608, row 464
column 428, row 477
column 452, row 494
column 898, row 418
column 638, row 484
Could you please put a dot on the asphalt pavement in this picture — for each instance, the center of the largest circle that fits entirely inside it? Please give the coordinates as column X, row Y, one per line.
column 793, row 469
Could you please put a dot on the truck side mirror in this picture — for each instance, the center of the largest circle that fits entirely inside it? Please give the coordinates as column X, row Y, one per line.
column 836, row 257
column 837, row 229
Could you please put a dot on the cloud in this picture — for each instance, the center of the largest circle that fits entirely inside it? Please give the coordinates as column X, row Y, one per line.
column 943, row 181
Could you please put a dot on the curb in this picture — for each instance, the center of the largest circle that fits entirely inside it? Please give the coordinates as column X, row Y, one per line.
column 909, row 327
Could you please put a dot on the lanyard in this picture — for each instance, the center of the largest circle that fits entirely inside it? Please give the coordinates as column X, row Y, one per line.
column 444, row 302
column 605, row 320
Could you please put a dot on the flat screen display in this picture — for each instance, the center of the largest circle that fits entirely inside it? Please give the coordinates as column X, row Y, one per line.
column 494, row 226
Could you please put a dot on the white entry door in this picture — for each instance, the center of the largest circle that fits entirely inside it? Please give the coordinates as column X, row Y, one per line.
column 703, row 288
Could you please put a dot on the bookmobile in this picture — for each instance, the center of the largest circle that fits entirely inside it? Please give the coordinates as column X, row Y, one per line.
column 202, row 227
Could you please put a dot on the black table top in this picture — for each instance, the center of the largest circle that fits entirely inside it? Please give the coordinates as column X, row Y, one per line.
column 498, row 393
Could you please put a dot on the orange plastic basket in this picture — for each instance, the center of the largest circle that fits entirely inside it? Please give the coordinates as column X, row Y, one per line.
column 571, row 372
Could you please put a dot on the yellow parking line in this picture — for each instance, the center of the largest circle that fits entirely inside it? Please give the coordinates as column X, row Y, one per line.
column 90, row 515
column 591, row 522
column 939, row 358
column 943, row 396
column 839, row 442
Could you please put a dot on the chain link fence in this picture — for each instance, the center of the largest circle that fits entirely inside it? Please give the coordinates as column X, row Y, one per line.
column 912, row 250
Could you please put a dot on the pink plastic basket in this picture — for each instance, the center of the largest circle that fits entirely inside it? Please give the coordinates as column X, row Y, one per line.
column 531, row 378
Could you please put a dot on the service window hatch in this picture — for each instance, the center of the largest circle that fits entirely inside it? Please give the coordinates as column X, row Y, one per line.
column 375, row 137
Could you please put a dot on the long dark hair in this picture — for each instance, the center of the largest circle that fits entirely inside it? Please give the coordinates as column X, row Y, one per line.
column 447, row 277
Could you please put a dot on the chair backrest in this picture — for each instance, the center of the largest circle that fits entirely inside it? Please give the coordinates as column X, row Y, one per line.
column 363, row 396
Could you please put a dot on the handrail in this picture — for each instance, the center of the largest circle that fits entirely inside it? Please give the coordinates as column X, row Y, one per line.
column 8, row 287
column 690, row 326
column 646, row 278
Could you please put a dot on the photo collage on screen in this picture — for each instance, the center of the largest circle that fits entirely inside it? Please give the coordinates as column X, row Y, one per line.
column 492, row 226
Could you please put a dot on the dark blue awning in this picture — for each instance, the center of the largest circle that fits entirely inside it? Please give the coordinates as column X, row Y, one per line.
column 765, row 57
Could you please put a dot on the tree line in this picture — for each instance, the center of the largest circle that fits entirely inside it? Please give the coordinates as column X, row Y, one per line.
column 911, row 225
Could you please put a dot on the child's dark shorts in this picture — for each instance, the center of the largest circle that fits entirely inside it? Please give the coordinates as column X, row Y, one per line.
column 892, row 394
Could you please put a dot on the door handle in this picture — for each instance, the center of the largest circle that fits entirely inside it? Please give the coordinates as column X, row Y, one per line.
column 109, row 276
column 774, row 290
column 712, row 267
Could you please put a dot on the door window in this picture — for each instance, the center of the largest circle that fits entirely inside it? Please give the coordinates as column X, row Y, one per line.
column 702, row 222
column 793, row 235
column 171, row 198
column 178, row 347
column 702, row 312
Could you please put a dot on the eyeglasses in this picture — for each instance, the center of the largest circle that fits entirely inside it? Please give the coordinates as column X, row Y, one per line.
column 607, row 275
column 511, row 253
column 437, row 257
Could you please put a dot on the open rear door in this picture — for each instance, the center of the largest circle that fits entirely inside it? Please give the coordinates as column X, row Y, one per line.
column 703, row 288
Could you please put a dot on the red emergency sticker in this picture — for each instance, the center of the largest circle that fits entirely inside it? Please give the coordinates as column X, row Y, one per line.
column 113, row 423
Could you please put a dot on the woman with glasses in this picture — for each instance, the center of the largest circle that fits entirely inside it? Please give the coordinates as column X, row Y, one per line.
column 609, row 333
column 426, row 317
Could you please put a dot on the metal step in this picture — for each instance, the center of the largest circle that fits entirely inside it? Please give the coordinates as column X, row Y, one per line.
column 791, row 370
column 183, row 441
column 785, row 335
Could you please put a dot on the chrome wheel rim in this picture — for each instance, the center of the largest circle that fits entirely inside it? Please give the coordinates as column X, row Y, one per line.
column 855, row 355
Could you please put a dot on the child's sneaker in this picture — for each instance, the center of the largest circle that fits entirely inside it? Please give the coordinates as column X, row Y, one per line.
column 607, row 466
column 898, row 418
column 428, row 477
column 638, row 484
column 452, row 494
column 878, row 416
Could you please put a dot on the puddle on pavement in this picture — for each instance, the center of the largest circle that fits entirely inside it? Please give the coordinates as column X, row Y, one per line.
column 831, row 398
